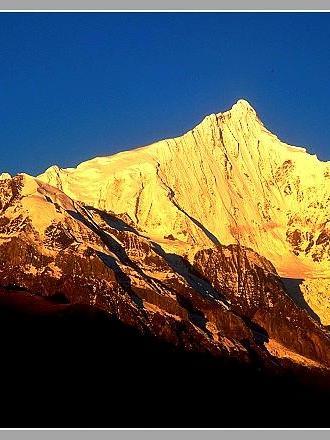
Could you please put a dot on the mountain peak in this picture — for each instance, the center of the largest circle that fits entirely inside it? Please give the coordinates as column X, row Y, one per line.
column 242, row 106
column 243, row 103
column 240, row 109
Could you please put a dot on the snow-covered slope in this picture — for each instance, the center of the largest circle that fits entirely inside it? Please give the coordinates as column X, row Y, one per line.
column 229, row 180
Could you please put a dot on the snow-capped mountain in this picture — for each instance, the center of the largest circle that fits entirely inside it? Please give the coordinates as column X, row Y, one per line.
column 185, row 240
column 227, row 181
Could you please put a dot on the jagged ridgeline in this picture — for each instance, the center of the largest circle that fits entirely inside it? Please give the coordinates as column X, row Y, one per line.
column 186, row 239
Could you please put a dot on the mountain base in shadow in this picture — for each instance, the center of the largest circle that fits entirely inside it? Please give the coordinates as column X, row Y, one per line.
column 74, row 366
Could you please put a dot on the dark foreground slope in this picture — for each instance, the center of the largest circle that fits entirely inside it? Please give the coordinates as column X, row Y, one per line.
column 74, row 366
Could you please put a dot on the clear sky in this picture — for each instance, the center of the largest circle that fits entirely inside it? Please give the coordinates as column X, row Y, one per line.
column 74, row 86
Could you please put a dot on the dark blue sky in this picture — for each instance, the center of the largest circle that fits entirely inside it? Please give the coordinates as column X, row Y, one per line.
column 74, row 86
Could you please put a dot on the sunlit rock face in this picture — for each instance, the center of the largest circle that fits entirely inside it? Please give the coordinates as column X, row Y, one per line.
column 52, row 245
column 228, row 180
column 252, row 287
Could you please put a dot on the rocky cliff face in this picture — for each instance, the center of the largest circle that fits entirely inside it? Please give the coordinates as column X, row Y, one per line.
column 227, row 181
column 52, row 245
column 228, row 301
column 252, row 287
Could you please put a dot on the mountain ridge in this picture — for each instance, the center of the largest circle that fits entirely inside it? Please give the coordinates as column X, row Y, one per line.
column 241, row 104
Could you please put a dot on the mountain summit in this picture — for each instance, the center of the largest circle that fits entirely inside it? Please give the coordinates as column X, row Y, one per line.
column 242, row 106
